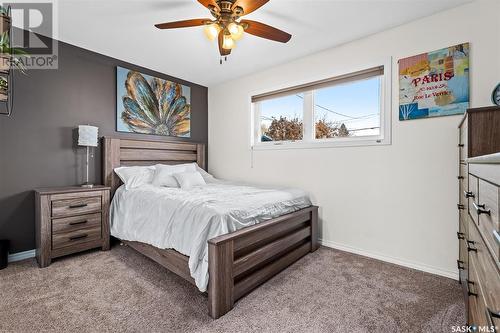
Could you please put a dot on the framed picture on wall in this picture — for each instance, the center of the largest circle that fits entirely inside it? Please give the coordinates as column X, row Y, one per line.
column 434, row 84
column 150, row 105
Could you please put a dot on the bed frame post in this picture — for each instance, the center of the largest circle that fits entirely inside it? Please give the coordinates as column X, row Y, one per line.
column 200, row 158
column 111, row 160
column 221, row 285
column 314, row 230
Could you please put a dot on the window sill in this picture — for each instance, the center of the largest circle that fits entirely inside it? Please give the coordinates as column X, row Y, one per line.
column 324, row 144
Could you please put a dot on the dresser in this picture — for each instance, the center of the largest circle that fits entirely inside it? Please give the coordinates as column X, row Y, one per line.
column 70, row 220
column 479, row 207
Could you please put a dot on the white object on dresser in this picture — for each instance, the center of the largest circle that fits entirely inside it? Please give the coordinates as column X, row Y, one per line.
column 87, row 137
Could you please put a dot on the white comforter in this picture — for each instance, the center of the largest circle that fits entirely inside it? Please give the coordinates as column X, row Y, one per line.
column 185, row 220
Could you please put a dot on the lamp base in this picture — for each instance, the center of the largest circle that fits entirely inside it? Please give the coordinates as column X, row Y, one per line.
column 87, row 185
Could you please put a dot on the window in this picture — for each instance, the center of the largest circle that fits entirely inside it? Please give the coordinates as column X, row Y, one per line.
column 340, row 111
column 281, row 118
column 351, row 109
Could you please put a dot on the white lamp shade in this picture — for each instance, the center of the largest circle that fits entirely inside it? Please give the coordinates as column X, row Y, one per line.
column 87, row 136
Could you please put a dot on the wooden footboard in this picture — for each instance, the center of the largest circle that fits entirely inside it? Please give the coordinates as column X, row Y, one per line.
column 239, row 261
column 243, row 260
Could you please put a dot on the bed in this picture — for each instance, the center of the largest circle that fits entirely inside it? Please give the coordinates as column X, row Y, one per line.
column 240, row 259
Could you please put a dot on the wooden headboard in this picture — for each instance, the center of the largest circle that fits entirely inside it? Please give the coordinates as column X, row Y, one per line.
column 128, row 152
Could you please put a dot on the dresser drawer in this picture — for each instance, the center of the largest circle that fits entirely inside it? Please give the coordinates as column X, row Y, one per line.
column 486, row 269
column 463, row 173
column 462, row 140
column 477, row 307
column 462, row 154
column 76, row 206
column 74, row 237
column 462, row 246
column 463, row 181
column 472, row 195
column 463, row 222
column 487, row 211
column 67, row 224
column 483, row 292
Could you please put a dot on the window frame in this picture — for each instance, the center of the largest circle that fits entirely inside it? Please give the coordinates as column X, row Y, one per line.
column 309, row 140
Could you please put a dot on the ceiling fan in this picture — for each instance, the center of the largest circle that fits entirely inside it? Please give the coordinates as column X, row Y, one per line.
column 227, row 26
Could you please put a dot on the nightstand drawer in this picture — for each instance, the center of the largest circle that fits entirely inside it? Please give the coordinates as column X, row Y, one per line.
column 74, row 223
column 76, row 206
column 70, row 220
column 73, row 237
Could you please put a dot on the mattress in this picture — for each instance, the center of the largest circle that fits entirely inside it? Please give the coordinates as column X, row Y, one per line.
column 184, row 220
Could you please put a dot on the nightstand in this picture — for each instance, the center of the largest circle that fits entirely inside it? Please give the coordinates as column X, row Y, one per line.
column 70, row 220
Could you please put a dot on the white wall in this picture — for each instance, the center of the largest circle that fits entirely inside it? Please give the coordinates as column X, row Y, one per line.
column 395, row 202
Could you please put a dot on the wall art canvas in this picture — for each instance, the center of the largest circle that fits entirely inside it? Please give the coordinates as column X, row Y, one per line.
column 150, row 105
column 434, row 84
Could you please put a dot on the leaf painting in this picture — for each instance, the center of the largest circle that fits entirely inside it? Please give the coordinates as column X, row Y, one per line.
column 150, row 105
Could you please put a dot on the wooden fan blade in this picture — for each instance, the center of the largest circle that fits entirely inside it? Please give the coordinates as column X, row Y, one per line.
column 223, row 52
column 182, row 24
column 249, row 5
column 266, row 31
column 208, row 3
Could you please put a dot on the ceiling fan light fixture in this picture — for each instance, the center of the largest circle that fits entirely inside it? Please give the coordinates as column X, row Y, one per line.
column 212, row 31
column 236, row 30
column 228, row 42
column 226, row 25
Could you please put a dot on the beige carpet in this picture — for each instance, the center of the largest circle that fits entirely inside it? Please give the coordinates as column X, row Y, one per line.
column 327, row 291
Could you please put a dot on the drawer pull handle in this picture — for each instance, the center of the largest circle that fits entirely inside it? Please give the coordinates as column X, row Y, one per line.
column 460, row 207
column 460, row 177
column 460, row 264
column 497, row 236
column 480, row 209
column 78, row 237
column 78, row 222
column 490, row 315
column 468, row 194
column 460, row 235
column 79, row 205
column 469, row 249
column 469, row 292
column 461, row 145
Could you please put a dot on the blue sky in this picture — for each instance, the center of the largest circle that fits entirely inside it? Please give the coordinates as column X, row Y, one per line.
column 360, row 100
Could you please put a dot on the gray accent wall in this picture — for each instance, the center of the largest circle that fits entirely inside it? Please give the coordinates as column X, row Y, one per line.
column 38, row 143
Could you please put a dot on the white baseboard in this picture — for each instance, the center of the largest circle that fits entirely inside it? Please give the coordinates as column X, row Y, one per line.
column 401, row 262
column 418, row 266
column 21, row 255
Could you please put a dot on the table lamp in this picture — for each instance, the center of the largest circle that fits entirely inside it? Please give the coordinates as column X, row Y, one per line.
column 87, row 137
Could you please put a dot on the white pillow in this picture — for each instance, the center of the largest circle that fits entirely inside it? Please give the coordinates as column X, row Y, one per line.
column 135, row 176
column 189, row 179
column 206, row 176
column 195, row 167
column 163, row 174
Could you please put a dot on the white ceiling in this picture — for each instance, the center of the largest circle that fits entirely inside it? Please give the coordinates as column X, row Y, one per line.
column 124, row 29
